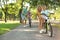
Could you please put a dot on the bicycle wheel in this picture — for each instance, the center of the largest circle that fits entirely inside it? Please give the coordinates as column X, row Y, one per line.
column 45, row 26
column 49, row 29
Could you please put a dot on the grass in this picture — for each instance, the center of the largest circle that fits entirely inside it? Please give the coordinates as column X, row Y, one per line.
column 6, row 27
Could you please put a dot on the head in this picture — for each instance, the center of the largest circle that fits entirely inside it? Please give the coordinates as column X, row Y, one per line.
column 44, row 7
column 39, row 8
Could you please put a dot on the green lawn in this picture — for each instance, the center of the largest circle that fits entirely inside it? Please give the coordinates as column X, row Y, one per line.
column 6, row 27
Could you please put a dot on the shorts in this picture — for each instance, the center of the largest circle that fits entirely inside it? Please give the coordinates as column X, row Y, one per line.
column 23, row 17
column 45, row 17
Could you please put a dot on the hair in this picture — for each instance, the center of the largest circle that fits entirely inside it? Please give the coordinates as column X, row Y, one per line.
column 39, row 8
column 44, row 7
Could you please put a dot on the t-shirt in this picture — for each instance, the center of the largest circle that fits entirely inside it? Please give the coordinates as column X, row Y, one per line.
column 24, row 12
column 29, row 14
column 45, row 12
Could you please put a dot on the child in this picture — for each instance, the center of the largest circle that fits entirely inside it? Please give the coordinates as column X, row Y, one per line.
column 29, row 17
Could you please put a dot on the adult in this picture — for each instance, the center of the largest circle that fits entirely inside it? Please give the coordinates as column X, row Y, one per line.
column 41, row 20
column 24, row 14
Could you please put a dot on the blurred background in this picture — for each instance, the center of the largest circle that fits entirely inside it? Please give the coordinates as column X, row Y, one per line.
column 10, row 9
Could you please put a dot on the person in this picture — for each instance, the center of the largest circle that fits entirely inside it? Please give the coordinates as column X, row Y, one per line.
column 41, row 20
column 29, row 17
column 45, row 13
column 23, row 15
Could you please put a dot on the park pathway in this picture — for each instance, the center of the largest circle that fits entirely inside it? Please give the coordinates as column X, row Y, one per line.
column 27, row 33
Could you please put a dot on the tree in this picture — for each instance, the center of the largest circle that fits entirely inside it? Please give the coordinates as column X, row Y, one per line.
column 5, row 9
column 34, row 3
column 20, row 11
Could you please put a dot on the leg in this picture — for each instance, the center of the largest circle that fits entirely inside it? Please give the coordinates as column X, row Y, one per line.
column 30, row 23
column 25, row 21
column 41, row 21
column 41, row 25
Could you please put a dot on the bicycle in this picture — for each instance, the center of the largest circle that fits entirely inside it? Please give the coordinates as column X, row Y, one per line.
column 47, row 25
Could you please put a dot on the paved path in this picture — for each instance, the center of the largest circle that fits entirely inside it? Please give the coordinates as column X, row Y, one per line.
column 26, row 33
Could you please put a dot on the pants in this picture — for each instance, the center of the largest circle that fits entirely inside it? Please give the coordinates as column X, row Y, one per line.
column 29, row 22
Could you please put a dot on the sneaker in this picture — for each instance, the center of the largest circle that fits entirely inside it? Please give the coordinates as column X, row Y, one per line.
column 49, row 33
column 25, row 25
column 42, row 30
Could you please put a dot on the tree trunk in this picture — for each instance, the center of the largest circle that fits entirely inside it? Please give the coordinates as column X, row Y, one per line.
column 6, row 12
column 20, row 11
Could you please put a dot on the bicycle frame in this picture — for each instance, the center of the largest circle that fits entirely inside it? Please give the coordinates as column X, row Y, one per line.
column 48, row 27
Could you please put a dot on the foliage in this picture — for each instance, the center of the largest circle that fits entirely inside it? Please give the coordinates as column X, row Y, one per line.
column 34, row 3
column 34, row 12
column 13, row 8
column 57, row 13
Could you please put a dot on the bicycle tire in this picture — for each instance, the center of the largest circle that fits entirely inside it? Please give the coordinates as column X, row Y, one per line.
column 45, row 25
column 49, row 29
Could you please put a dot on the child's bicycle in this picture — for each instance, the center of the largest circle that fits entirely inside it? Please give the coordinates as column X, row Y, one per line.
column 47, row 25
